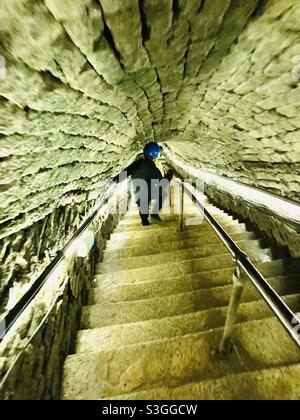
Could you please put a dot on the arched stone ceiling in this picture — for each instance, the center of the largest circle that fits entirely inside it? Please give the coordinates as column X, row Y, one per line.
column 88, row 82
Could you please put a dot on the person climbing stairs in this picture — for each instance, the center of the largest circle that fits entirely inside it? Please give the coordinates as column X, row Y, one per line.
column 156, row 314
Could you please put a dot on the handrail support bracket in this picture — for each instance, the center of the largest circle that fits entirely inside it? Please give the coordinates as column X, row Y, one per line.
column 239, row 281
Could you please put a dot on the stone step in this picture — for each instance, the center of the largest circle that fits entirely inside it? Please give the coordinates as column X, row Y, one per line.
column 189, row 222
column 132, row 224
column 210, row 264
column 169, row 229
column 152, row 289
column 133, row 210
column 132, row 216
column 187, row 201
column 177, row 361
column 127, row 249
column 136, row 221
column 251, row 247
column 167, row 269
column 162, row 237
column 249, row 386
column 103, row 312
column 114, row 336
column 207, row 279
column 151, row 260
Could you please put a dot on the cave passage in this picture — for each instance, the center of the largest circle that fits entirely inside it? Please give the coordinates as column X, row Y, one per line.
column 84, row 86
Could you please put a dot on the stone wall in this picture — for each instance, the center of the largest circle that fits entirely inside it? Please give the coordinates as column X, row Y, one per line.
column 33, row 352
column 240, row 117
column 85, row 84
column 88, row 83
column 24, row 254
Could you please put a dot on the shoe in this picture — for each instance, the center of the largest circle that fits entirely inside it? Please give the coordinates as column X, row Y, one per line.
column 145, row 222
column 155, row 218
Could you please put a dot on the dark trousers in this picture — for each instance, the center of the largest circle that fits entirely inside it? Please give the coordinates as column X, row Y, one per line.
column 143, row 196
column 157, row 206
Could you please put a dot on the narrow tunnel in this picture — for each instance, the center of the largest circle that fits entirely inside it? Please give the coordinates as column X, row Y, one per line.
column 93, row 305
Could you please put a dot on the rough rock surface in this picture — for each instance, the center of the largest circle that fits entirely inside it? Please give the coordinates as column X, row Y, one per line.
column 86, row 83
column 33, row 351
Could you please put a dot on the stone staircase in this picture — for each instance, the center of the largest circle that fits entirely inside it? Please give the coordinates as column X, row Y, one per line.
column 157, row 312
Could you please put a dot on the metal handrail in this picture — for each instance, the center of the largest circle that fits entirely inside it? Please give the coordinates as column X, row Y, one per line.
column 283, row 313
column 13, row 315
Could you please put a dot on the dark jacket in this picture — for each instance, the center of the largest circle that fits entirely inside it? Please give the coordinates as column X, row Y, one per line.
column 145, row 169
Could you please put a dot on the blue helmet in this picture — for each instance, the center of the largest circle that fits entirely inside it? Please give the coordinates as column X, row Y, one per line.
column 152, row 150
